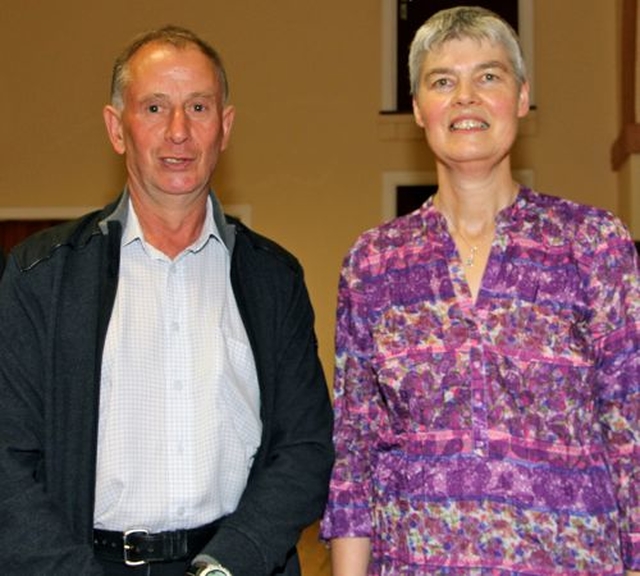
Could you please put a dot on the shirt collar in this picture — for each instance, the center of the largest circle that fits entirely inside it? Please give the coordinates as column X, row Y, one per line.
column 133, row 231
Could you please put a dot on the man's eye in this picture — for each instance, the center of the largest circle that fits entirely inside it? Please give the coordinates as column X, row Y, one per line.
column 199, row 107
column 153, row 108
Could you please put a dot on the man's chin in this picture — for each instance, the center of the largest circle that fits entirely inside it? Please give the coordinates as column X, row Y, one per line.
column 185, row 189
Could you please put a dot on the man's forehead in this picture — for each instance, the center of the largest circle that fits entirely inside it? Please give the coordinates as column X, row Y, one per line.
column 157, row 51
column 159, row 76
column 159, row 60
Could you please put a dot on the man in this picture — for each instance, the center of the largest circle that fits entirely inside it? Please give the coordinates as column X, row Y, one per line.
column 164, row 410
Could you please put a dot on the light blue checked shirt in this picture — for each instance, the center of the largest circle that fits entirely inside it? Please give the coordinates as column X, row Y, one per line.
column 179, row 402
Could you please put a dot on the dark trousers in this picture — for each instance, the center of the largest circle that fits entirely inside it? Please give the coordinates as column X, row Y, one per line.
column 152, row 569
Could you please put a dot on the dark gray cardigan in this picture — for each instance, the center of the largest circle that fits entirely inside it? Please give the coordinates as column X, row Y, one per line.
column 56, row 298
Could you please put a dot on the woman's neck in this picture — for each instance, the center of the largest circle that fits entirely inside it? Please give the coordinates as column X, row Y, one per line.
column 471, row 208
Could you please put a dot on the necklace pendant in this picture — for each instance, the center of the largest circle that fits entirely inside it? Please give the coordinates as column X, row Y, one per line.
column 471, row 259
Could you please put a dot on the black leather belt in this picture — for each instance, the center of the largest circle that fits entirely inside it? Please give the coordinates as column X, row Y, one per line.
column 137, row 547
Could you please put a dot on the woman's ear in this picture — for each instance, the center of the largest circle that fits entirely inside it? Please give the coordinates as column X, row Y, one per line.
column 523, row 100
column 417, row 115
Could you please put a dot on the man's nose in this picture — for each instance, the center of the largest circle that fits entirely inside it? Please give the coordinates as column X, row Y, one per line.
column 178, row 127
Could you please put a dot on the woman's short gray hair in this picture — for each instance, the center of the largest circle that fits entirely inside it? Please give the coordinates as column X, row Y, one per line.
column 460, row 23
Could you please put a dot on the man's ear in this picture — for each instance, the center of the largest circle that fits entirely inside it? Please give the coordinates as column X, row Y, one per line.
column 113, row 122
column 228, row 115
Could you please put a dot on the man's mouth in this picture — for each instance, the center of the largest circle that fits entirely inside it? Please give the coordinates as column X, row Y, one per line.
column 175, row 161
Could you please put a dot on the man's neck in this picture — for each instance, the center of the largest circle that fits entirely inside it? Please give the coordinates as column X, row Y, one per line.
column 171, row 229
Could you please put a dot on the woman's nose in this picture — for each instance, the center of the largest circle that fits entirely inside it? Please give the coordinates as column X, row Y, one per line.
column 466, row 92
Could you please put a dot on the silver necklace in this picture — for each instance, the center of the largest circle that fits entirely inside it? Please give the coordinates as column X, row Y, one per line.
column 470, row 260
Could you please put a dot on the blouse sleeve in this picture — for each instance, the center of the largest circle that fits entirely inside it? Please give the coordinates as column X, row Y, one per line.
column 358, row 412
column 615, row 325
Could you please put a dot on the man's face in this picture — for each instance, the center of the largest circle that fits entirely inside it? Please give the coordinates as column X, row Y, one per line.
column 173, row 124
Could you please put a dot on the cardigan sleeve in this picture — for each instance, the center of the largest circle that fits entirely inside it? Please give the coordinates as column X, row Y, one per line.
column 36, row 533
column 288, row 484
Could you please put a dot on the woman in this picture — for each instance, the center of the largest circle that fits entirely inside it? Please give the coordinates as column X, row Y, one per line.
column 487, row 373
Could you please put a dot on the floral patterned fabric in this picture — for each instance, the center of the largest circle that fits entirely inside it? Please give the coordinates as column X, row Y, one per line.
column 500, row 436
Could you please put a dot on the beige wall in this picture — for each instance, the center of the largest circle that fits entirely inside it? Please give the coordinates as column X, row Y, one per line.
column 309, row 147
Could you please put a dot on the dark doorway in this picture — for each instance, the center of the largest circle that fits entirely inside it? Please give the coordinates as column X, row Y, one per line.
column 12, row 232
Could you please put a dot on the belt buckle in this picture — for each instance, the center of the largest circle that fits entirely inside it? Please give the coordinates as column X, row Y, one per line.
column 127, row 547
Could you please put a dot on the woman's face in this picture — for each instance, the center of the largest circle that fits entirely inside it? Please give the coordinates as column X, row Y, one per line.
column 469, row 103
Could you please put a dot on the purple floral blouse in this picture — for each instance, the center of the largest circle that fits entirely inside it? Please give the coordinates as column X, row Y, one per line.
column 498, row 437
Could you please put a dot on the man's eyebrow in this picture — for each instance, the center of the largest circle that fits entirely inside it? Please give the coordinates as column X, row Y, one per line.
column 154, row 96
column 205, row 94
column 163, row 96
